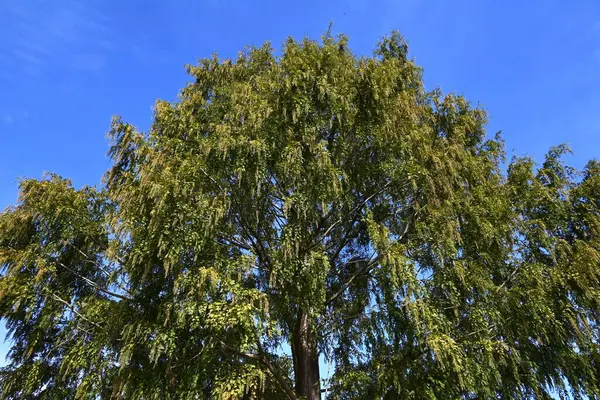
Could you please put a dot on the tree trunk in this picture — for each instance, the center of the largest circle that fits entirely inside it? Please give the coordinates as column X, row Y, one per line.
column 306, row 359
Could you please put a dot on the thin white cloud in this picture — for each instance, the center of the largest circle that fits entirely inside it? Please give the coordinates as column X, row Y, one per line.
column 596, row 34
column 14, row 116
column 67, row 34
column 28, row 57
column 91, row 62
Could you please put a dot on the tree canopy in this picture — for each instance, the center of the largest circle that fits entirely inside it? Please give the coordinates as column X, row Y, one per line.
column 308, row 205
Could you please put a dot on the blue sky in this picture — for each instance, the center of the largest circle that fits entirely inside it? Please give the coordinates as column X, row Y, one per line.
column 67, row 66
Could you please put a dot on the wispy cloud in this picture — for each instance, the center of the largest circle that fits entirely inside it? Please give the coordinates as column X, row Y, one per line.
column 14, row 116
column 27, row 57
column 597, row 56
column 66, row 34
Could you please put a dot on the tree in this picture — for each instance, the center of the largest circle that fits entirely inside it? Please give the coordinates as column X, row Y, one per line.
column 310, row 204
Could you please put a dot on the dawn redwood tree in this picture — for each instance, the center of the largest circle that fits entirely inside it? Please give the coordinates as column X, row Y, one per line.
column 309, row 205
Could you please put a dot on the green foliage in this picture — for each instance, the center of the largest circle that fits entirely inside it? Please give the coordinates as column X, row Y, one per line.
column 316, row 185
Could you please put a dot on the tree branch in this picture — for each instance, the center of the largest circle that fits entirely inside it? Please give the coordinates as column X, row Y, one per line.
column 94, row 284
column 55, row 297
column 235, row 242
column 213, row 180
column 100, row 267
column 370, row 264
column 512, row 275
column 344, row 241
column 356, row 209
column 262, row 358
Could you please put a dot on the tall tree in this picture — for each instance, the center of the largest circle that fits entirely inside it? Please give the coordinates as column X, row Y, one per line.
column 287, row 208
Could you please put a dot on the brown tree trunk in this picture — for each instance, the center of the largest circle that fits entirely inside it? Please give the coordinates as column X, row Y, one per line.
column 306, row 359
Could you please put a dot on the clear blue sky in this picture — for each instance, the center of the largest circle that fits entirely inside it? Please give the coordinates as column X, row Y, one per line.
column 67, row 66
